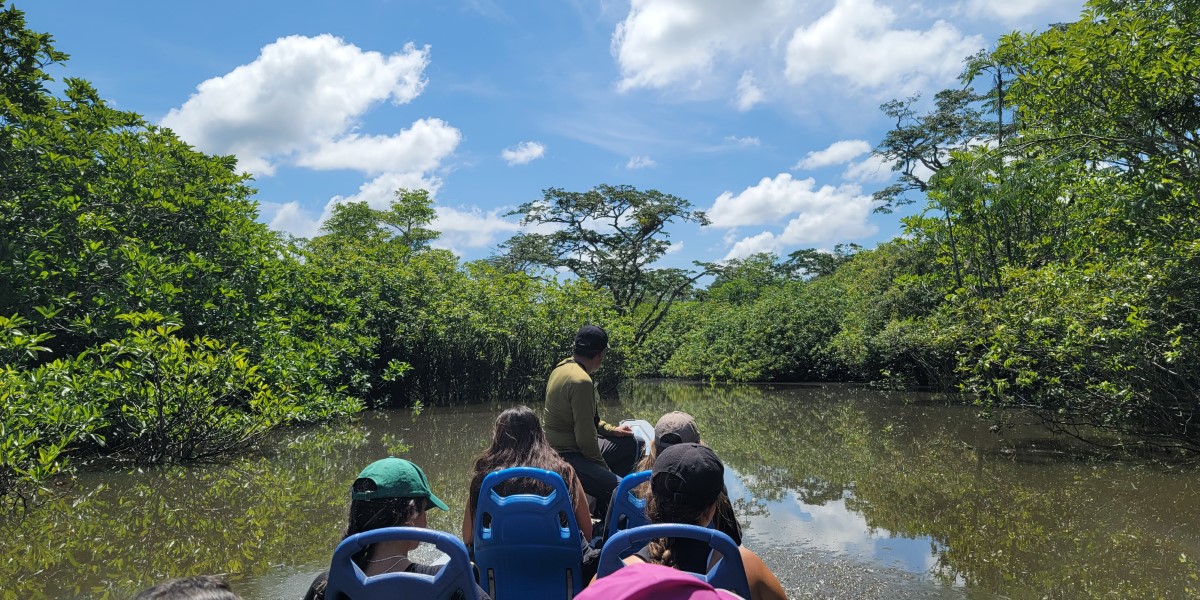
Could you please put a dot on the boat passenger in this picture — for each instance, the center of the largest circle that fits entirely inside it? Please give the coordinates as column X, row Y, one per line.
column 679, row 427
column 686, row 487
column 391, row 492
column 518, row 441
column 600, row 452
column 200, row 587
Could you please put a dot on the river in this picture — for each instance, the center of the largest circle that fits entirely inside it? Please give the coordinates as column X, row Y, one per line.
column 845, row 492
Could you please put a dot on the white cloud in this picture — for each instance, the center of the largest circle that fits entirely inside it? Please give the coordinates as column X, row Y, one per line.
column 418, row 148
column 640, row 162
column 666, row 42
column 300, row 94
column 748, row 92
column 872, row 169
column 523, row 153
column 470, row 228
column 837, row 153
column 827, row 214
column 855, row 41
column 744, row 142
column 291, row 218
column 674, row 247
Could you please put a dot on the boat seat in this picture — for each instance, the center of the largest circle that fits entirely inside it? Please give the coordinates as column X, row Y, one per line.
column 455, row 580
column 627, row 510
column 527, row 545
column 729, row 573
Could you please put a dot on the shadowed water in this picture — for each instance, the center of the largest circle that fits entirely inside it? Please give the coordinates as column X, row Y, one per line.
column 845, row 492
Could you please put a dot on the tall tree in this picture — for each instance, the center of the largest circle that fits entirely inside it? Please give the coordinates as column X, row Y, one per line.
column 610, row 236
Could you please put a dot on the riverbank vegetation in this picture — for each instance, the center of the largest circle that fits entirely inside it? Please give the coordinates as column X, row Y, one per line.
column 1050, row 264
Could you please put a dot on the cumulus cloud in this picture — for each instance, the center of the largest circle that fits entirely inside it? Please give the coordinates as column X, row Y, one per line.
column 640, row 162
column 748, row 92
column 300, row 94
column 523, row 153
column 666, row 42
column 855, row 41
column 421, row 147
column 837, row 153
column 470, row 228
column 817, row 215
column 378, row 193
column 872, row 169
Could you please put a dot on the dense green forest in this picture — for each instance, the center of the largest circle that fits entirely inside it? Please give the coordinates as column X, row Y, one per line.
column 1050, row 262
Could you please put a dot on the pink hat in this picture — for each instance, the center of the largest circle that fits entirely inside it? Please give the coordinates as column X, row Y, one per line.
column 644, row 581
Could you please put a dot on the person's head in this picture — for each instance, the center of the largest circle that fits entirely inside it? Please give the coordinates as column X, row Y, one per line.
column 200, row 587
column 518, row 429
column 590, row 342
column 517, row 441
column 672, row 428
column 391, row 492
column 687, row 482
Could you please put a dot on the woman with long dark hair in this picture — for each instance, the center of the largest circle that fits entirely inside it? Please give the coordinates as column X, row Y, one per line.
column 518, row 441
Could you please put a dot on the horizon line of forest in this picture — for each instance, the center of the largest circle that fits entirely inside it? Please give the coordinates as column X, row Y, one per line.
column 145, row 312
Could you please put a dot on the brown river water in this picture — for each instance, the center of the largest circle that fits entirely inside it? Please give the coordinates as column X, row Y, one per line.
column 845, row 492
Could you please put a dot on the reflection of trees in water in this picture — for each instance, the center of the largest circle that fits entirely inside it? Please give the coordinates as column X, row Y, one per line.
column 1051, row 529
column 245, row 516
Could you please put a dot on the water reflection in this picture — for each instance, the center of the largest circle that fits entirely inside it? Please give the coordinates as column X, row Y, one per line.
column 890, row 481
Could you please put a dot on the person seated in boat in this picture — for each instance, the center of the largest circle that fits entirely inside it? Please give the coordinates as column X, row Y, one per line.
column 199, row 587
column 391, row 492
column 679, row 427
column 686, row 487
column 600, row 452
column 518, row 441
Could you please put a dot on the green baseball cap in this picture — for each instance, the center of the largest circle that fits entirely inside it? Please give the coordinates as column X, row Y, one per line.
column 396, row 478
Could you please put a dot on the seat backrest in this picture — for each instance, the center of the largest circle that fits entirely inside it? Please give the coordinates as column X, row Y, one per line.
column 627, row 510
column 345, row 577
column 527, row 545
column 729, row 573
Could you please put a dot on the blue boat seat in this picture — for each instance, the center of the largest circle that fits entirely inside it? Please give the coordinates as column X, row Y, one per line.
column 627, row 510
column 455, row 580
column 729, row 573
column 527, row 545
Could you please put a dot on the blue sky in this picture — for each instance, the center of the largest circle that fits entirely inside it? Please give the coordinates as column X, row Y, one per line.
column 761, row 112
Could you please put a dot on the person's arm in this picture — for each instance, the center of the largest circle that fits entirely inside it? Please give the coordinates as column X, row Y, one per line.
column 468, row 526
column 763, row 583
column 582, row 515
column 583, row 416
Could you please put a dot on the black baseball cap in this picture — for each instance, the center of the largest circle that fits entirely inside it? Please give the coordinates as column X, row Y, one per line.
column 591, row 338
column 689, row 474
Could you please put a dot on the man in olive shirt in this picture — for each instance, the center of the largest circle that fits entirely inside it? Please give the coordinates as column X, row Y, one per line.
column 599, row 452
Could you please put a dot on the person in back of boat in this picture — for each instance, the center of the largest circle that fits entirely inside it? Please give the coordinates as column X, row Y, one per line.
column 686, row 487
column 391, row 492
column 600, row 453
column 679, row 427
column 518, row 441
column 199, row 587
